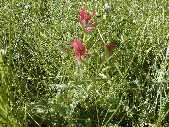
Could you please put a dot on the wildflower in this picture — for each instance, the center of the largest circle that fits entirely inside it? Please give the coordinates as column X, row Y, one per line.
column 84, row 16
column 89, row 28
column 85, row 19
column 79, row 49
column 107, row 7
column 110, row 46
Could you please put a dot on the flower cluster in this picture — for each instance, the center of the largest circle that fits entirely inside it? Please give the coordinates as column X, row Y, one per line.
column 87, row 23
column 85, row 19
column 110, row 46
column 79, row 49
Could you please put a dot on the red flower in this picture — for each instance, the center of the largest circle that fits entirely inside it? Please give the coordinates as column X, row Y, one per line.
column 85, row 20
column 110, row 46
column 84, row 16
column 79, row 49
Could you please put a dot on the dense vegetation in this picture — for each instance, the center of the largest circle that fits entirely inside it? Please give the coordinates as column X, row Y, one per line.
column 42, row 85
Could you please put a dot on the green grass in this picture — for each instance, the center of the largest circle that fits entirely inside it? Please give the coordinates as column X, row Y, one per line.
column 41, row 84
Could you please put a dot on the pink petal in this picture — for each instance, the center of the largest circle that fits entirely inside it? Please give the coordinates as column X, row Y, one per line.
column 79, row 49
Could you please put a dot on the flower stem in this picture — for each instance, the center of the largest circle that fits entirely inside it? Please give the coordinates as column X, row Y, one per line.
column 79, row 69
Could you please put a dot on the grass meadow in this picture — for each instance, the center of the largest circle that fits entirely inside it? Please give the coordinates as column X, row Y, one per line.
column 43, row 84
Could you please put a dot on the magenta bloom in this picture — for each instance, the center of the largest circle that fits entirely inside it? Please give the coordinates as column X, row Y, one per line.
column 110, row 46
column 79, row 49
column 84, row 16
column 85, row 19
